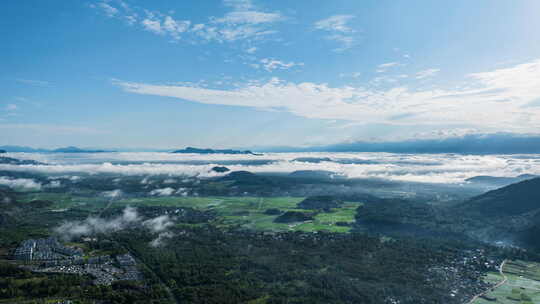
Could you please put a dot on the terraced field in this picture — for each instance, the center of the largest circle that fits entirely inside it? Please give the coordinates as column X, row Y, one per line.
column 522, row 285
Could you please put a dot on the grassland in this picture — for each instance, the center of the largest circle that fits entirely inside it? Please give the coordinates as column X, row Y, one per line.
column 522, row 285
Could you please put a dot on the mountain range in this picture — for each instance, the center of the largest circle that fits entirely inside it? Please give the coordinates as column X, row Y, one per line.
column 509, row 215
column 70, row 149
column 213, row 151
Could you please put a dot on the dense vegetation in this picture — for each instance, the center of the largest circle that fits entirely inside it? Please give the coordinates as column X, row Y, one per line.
column 227, row 244
column 207, row 265
column 321, row 202
column 509, row 215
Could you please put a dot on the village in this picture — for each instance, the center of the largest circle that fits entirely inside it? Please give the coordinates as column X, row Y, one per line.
column 50, row 256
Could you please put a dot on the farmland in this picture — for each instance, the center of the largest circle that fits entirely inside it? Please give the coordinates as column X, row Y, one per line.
column 522, row 285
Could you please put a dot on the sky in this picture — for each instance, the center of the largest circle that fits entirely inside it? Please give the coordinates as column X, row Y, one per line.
column 249, row 73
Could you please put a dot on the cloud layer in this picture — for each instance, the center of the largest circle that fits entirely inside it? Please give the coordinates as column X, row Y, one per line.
column 430, row 168
column 495, row 99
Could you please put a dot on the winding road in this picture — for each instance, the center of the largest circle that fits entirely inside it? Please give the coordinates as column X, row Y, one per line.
column 494, row 287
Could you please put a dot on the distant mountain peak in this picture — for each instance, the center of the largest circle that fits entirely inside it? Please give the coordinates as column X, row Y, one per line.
column 213, row 151
column 73, row 149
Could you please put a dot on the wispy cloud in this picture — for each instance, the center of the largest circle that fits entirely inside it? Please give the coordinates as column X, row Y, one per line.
column 381, row 68
column 427, row 73
column 490, row 99
column 269, row 64
column 337, row 23
column 248, row 17
column 116, row 9
column 107, row 9
column 243, row 22
column 153, row 26
column 340, row 30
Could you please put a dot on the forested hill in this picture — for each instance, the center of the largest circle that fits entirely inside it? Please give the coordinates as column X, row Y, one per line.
column 515, row 199
column 508, row 215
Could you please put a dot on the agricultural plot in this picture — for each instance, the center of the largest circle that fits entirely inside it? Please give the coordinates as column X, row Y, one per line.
column 64, row 201
column 249, row 212
column 522, row 285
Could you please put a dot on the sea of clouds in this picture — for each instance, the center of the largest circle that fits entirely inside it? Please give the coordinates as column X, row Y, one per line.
column 430, row 168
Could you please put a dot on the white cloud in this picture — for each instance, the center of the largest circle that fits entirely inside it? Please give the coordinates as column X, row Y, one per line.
column 440, row 168
column 152, row 26
column 490, row 99
column 346, row 42
column 163, row 191
column 131, row 20
column 427, row 73
column 270, row 64
column 158, row 224
column 251, row 50
column 123, row 11
column 340, row 31
column 95, row 225
column 381, row 68
column 108, row 9
column 251, row 17
column 20, row 183
column 129, row 218
column 175, row 27
column 337, row 23
column 243, row 22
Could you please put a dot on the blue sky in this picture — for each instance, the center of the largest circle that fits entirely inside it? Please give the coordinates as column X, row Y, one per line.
column 240, row 73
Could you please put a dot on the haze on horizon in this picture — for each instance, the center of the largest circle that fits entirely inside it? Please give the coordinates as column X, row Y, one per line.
column 248, row 73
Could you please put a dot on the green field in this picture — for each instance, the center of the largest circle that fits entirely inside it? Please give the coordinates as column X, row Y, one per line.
column 63, row 201
column 522, row 286
column 247, row 212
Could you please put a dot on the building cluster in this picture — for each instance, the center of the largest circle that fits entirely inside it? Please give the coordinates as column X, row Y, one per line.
column 49, row 256
column 129, row 265
column 45, row 250
column 464, row 274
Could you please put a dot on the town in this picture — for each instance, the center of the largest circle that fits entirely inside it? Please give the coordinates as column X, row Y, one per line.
column 50, row 256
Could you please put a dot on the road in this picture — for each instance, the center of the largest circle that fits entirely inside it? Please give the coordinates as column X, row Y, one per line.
column 494, row 287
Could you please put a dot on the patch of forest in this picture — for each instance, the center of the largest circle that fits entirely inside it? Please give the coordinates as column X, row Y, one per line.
column 209, row 265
